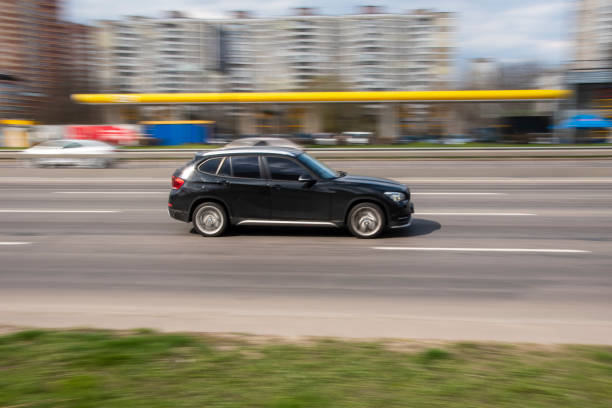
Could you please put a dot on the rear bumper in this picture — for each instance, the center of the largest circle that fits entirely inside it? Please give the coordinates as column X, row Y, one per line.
column 178, row 215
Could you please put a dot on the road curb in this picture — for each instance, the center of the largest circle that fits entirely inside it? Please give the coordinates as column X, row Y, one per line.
column 467, row 153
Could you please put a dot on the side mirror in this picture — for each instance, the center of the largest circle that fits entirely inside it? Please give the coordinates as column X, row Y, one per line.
column 306, row 178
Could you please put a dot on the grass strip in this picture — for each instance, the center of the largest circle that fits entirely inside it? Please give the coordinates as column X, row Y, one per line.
column 142, row 368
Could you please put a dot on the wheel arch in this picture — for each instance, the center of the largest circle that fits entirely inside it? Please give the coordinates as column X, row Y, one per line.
column 366, row 199
column 216, row 200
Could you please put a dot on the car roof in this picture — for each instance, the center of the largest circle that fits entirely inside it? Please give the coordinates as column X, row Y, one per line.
column 286, row 151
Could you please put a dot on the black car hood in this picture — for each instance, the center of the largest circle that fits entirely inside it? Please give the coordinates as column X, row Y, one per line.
column 373, row 181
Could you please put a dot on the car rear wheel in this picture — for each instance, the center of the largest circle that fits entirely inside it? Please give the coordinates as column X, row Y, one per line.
column 366, row 220
column 209, row 219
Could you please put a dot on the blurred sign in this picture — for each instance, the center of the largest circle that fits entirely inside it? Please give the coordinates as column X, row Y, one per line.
column 121, row 135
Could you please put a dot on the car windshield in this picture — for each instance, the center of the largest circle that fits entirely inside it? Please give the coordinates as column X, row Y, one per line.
column 319, row 168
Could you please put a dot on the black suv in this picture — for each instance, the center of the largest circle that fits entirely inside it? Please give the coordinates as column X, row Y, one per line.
column 282, row 186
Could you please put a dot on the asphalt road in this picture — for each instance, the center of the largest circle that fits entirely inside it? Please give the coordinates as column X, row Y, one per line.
column 499, row 250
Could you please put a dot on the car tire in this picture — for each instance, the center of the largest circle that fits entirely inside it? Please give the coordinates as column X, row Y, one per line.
column 209, row 219
column 366, row 220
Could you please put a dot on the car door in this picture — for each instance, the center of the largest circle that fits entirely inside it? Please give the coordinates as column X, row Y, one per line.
column 247, row 193
column 292, row 199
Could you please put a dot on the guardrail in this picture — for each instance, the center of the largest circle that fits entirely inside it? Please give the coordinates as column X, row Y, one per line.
column 381, row 153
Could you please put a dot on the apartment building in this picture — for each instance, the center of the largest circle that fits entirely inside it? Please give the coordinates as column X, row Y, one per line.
column 591, row 69
column 171, row 54
column 411, row 51
column 80, row 53
column 593, row 35
column 31, row 35
column 239, row 41
column 370, row 50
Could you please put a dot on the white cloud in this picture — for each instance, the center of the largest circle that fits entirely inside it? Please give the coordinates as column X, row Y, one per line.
column 521, row 32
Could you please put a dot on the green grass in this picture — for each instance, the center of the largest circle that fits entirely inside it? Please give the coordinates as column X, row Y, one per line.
column 87, row 368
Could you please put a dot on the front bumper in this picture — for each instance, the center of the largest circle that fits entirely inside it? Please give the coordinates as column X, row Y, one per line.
column 405, row 225
column 401, row 215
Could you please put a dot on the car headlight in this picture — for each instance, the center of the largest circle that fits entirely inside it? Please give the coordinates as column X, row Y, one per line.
column 396, row 196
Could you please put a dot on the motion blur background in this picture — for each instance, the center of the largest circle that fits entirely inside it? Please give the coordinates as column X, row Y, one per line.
column 56, row 48
column 510, row 241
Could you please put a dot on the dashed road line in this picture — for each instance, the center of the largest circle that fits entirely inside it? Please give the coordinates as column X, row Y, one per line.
column 456, row 249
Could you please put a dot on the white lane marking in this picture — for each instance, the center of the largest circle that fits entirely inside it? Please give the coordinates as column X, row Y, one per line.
column 462, row 180
column 479, row 214
column 112, row 192
column 505, row 180
column 62, row 211
column 14, row 180
column 451, row 249
column 10, row 243
column 467, row 194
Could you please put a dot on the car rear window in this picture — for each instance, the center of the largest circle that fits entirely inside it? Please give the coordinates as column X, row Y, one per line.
column 245, row 166
column 210, row 166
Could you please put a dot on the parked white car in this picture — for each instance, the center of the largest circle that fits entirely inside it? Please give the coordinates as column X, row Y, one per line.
column 70, row 152
column 325, row 139
column 357, row 138
column 262, row 141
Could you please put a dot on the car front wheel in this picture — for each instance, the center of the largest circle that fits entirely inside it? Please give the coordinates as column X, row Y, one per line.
column 209, row 219
column 366, row 220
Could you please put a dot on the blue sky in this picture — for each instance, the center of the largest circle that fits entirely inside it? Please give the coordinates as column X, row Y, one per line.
column 509, row 31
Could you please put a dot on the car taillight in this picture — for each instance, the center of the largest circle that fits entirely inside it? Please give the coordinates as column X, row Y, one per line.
column 177, row 182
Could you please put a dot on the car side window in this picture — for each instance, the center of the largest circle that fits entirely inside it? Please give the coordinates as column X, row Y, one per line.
column 210, row 166
column 284, row 169
column 245, row 166
column 226, row 168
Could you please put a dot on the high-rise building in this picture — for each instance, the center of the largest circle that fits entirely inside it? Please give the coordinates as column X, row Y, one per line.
column 80, row 57
column 172, row 54
column 370, row 50
column 411, row 51
column 591, row 69
column 237, row 54
column 593, row 35
column 30, row 32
